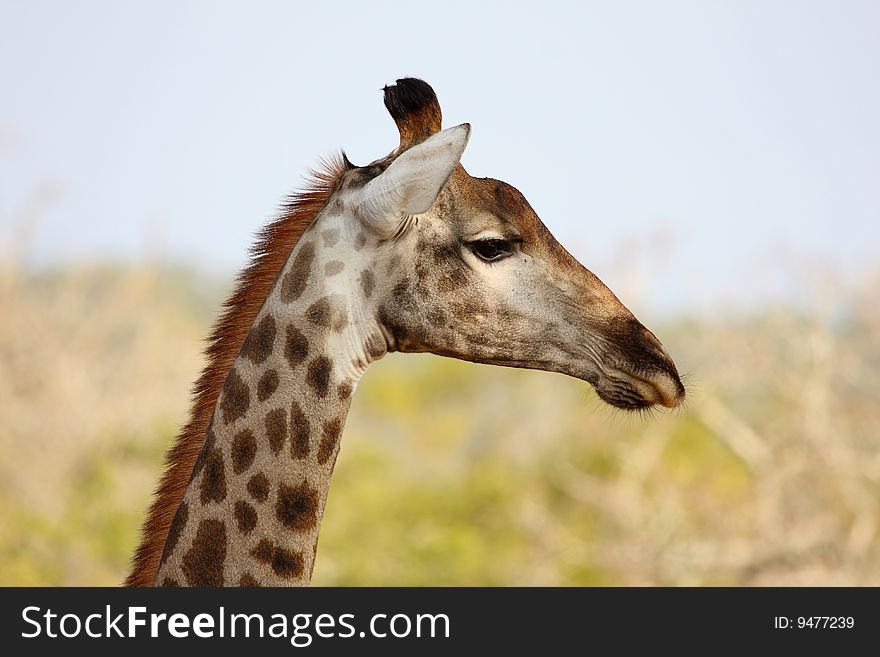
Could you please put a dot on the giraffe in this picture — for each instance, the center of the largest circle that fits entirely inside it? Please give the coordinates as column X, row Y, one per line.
column 409, row 253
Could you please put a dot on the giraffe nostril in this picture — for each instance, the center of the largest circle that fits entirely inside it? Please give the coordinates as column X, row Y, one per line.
column 652, row 339
column 658, row 348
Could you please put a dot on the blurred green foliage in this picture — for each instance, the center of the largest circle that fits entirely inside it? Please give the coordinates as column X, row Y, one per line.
column 458, row 474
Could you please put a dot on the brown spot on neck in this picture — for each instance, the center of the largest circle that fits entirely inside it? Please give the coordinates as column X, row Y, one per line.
column 299, row 432
column 276, row 429
column 297, row 507
column 319, row 312
column 247, row 580
column 203, row 563
column 329, row 439
column 236, row 398
column 284, row 563
column 213, row 488
column 260, row 341
column 258, row 487
column 244, row 448
column 344, row 390
column 333, row 267
column 331, row 236
column 296, row 346
column 267, row 385
column 368, row 282
column 318, row 376
column 245, row 517
column 297, row 277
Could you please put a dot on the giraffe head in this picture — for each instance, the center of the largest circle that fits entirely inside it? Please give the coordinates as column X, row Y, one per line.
column 463, row 267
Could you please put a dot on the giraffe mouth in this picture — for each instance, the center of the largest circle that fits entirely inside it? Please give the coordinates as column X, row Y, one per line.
column 634, row 391
column 630, row 369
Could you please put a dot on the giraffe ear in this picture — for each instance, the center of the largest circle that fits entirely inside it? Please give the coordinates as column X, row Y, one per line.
column 411, row 184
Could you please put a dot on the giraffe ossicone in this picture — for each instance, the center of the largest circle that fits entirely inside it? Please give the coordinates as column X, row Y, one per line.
column 409, row 253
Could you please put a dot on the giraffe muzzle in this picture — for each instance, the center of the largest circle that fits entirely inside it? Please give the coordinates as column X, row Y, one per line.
column 633, row 391
column 640, row 374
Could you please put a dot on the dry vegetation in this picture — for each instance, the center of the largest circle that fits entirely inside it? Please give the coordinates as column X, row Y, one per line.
column 460, row 474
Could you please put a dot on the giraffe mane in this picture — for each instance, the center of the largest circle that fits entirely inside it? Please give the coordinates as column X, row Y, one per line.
column 269, row 253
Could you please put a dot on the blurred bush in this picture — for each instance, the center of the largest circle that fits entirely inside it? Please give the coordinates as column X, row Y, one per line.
column 452, row 473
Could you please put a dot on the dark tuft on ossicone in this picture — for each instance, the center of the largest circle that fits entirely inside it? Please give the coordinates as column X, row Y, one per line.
column 408, row 96
column 413, row 105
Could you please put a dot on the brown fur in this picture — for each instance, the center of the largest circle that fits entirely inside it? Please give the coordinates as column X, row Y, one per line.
column 268, row 256
column 276, row 429
column 267, row 385
column 258, row 487
column 285, row 563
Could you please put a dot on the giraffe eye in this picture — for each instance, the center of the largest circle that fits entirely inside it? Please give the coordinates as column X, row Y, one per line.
column 492, row 250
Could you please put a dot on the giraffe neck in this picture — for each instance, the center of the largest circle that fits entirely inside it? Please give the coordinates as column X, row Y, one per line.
column 252, row 511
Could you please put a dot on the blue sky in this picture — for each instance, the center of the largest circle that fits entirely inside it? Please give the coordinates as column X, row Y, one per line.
column 703, row 149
